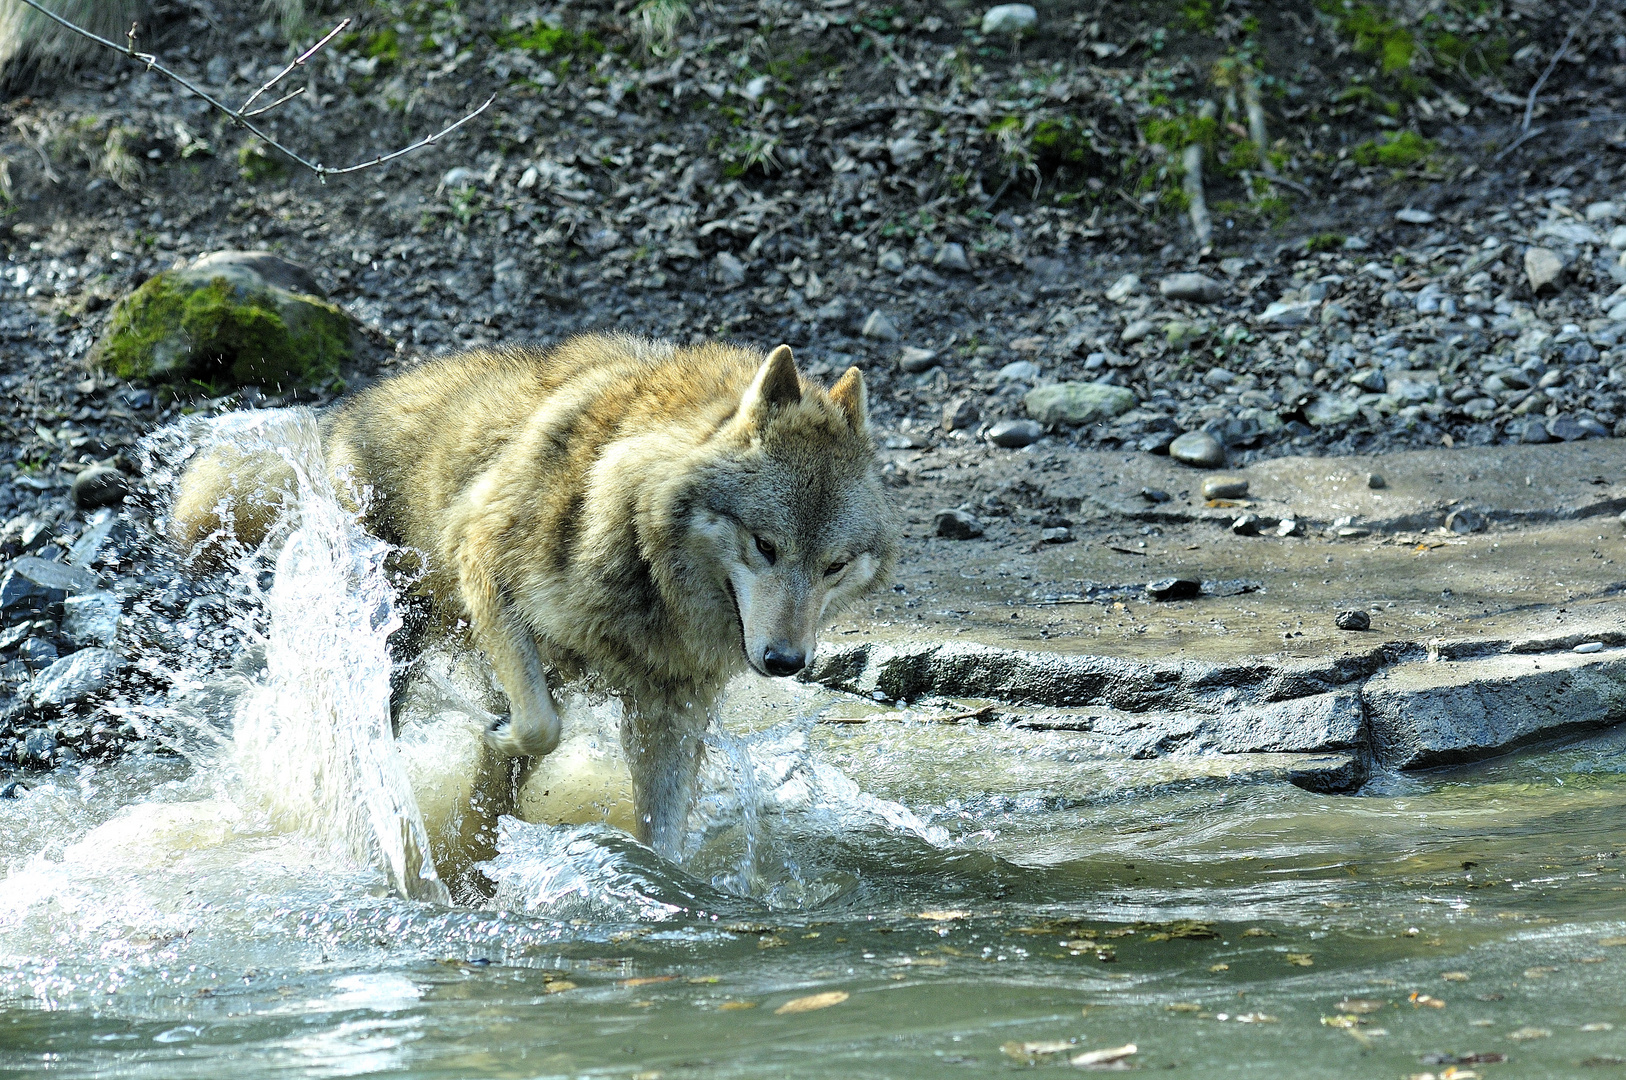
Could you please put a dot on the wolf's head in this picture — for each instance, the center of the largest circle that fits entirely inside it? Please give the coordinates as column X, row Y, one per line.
column 785, row 521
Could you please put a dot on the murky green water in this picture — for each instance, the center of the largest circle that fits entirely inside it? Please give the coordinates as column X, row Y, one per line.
column 1478, row 911
column 898, row 898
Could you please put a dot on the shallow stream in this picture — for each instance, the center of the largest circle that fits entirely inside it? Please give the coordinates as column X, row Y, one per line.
column 897, row 898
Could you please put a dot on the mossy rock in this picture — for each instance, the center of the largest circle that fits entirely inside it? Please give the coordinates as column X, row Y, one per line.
column 230, row 319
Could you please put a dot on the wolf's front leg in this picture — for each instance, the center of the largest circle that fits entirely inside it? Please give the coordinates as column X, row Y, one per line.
column 664, row 749
column 532, row 727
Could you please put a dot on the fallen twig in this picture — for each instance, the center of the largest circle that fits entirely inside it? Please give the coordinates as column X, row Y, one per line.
column 1530, row 103
column 242, row 118
column 1516, row 143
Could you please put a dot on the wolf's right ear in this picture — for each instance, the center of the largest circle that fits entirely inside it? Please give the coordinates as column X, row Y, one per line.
column 777, row 383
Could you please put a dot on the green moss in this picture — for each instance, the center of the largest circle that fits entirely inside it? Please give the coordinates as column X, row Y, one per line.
column 1198, row 15
column 1401, row 150
column 218, row 334
column 1327, row 241
column 545, row 40
column 1374, row 34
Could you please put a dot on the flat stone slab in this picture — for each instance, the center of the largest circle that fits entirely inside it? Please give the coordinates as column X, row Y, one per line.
column 1445, row 712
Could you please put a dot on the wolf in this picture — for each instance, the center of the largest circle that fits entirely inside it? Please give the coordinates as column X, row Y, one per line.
column 660, row 517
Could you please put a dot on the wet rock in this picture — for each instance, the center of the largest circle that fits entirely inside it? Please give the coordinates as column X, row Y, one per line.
column 952, row 257
column 32, row 584
column 1138, row 330
column 1056, row 534
column 37, row 654
column 957, row 525
column 1369, row 379
column 1126, row 286
column 1414, row 217
column 1284, row 314
column 1567, row 429
column 1535, row 431
column 1174, row 588
column 880, row 327
column 1225, row 487
column 1196, row 288
column 76, row 677
column 239, row 318
column 39, row 749
column 1542, row 267
column 1154, row 496
column 729, row 270
column 891, row 260
column 91, row 619
column 1465, row 521
column 1015, row 434
column 960, row 415
column 1376, row 482
column 23, row 535
column 1158, row 442
column 1354, row 619
column 1009, row 19
column 1246, row 525
column 1328, row 411
column 1078, row 403
column 1198, row 448
column 99, row 485
column 1426, row 714
column 1287, row 527
column 1018, row 371
column 915, row 360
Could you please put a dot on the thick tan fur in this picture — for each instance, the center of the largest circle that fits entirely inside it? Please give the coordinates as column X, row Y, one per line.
column 661, row 516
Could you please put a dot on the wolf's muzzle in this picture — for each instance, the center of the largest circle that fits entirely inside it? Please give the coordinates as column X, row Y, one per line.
column 783, row 660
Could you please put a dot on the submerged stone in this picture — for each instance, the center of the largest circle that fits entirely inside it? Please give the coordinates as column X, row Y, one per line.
column 232, row 318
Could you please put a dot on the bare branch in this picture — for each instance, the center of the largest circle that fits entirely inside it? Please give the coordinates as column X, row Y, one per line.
column 241, row 118
column 263, row 109
column 299, row 61
column 1530, row 103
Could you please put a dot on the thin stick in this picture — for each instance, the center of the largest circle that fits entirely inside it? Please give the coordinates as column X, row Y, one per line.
column 1530, row 103
column 299, row 61
column 267, row 108
column 322, row 172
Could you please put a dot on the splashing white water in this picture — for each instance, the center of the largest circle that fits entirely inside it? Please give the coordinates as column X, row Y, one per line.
column 311, row 746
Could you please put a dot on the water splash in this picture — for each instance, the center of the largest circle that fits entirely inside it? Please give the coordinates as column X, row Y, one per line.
column 311, row 744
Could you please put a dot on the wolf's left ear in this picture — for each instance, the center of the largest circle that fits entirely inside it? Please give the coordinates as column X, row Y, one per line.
column 849, row 393
column 777, row 383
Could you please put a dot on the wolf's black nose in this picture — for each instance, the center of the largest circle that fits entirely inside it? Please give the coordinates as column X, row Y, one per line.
column 777, row 660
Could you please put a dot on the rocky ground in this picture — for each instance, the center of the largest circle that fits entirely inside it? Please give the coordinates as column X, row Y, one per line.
column 992, row 227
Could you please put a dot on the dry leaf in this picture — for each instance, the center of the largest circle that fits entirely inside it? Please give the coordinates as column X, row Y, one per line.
column 1454, row 976
column 1028, row 1051
column 812, row 1002
column 648, row 980
column 1526, row 1033
column 1424, row 999
column 731, row 1006
column 936, row 915
column 558, row 986
column 1360, row 1006
column 1300, row 959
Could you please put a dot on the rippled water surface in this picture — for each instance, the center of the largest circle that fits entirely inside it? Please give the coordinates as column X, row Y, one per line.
column 892, row 899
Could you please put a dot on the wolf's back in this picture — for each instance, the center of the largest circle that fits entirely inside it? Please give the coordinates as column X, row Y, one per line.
column 227, row 495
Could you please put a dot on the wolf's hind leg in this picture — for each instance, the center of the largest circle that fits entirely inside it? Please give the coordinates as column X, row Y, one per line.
column 532, row 727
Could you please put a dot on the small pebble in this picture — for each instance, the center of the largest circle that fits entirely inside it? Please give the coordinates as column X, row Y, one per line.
column 1589, row 647
column 1246, row 525
column 1174, row 588
column 1198, row 448
column 1351, row 532
column 1225, row 487
column 915, row 360
column 1353, row 620
column 1287, row 527
column 1464, row 521
column 1060, row 534
column 1376, row 482
column 960, row 414
column 1015, row 434
column 1154, row 496
column 957, row 525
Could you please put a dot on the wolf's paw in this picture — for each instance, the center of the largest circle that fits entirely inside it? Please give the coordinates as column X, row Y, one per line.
column 520, row 740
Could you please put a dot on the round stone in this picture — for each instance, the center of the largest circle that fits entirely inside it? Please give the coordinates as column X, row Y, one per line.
column 1376, row 482
column 1353, row 620
column 1015, row 434
column 1225, row 487
column 99, row 485
column 1174, row 588
column 957, row 525
column 1198, row 448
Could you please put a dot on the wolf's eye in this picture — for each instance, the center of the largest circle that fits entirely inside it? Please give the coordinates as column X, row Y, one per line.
column 834, row 568
column 769, row 552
